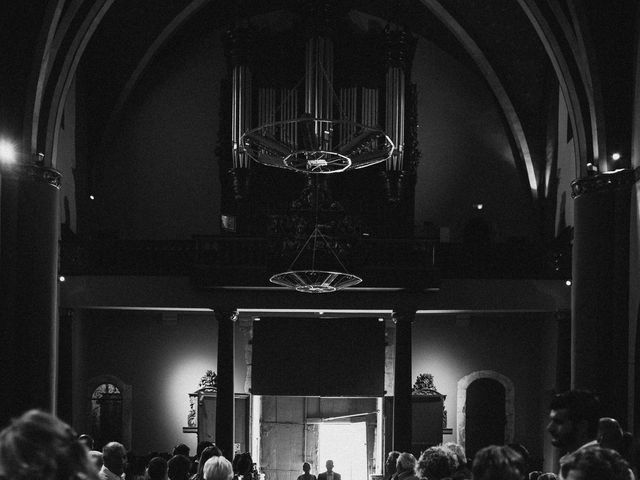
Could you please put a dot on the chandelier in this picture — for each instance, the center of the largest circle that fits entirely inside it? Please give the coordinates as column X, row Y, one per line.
column 314, row 129
column 314, row 145
column 313, row 280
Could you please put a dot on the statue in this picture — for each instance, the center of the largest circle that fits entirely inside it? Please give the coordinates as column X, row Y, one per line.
column 191, row 417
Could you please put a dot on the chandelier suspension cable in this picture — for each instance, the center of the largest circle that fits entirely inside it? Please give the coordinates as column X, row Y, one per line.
column 288, row 96
column 333, row 91
column 300, row 252
column 332, row 250
column 315, row 227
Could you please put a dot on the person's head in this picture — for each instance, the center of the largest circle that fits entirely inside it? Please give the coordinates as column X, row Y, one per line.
column 595, row 463
column 178, row 467
column 201, row 446
column 329, row 465
column 610, row 434
column 242, row 463
column 114, row 457
column 218, row 468
column 157, row 469
column 406, row 463
column 38, row 445
column 498, row 463
column 390, row 463
column 86, row 440
column 96, row 458
column 436, row 463
column 573, row 419
column 206, row 454
column 459, row 452
column 306, row 468
column 181, row 449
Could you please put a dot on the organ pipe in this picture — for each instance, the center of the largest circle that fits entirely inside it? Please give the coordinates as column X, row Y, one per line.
column 237, row 41
column 397, row 65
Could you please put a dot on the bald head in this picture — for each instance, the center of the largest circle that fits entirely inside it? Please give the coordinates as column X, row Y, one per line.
column 609, row 433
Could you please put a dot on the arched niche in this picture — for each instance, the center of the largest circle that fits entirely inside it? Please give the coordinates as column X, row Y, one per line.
column 109, row 387
column 509, row 407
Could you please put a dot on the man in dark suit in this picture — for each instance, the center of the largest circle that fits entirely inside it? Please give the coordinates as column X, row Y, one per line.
column 329, row 474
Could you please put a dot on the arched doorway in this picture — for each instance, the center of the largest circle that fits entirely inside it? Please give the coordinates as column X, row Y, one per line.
column 109, row 416
column 485, row 410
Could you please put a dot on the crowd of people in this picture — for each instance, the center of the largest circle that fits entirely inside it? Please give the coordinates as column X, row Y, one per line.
column 39, row 446
column 592, row 448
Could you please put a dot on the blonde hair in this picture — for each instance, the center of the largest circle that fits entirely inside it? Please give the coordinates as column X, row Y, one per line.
column 218, row 468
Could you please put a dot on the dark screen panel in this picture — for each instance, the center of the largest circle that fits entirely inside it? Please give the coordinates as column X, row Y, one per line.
column 318, row 357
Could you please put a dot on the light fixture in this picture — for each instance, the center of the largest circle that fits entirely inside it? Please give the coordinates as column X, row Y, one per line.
column 8, row 152
column 314, row 280
column 568, row 283
column 62, row 278
column 317, row 145
column 615, row 156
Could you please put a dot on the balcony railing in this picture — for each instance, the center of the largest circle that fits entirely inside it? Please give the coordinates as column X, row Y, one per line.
column 234, row 260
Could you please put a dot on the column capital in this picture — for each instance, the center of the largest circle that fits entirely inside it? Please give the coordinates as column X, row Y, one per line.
column 604, row 182
column 35, row 173
column 404, row 315
column 225, row 313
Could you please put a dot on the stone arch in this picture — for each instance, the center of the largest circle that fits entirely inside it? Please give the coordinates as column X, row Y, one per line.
column 125, row 390
column 463, row 384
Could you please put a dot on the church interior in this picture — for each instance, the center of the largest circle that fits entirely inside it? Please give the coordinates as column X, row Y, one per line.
column 319, row 229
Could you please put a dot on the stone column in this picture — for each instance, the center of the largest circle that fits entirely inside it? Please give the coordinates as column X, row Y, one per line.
column 600, row 289
column 29, row 229
column 225, row 408
column 402, row 383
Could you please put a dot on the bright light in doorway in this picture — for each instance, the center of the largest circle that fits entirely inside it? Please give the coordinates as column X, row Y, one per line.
column 346, row 445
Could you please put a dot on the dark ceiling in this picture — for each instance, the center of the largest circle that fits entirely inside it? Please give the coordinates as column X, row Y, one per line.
column 129, row 29
column 499, row 28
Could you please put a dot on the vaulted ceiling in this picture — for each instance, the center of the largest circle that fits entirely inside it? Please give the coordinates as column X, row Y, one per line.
column 520, row 47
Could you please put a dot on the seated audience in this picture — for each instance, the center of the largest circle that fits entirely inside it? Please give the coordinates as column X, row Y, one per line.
column 181, row 449
column 306, row 468
column 524, row 453
column 595, row 463
column 135, row 467
column 86, row 440
column 39, row 446
column 195, row 460
column 498, row 463
column 573, row 421
column 437, row 463
column 242, row 465
column 205, row 455
column 178, row 467
column 96, row 459
column 610, row 434
column 218, row 468
column 406, row 467
column 462, row 472
column 114, row 457
column 157, row 469
column 390, row 464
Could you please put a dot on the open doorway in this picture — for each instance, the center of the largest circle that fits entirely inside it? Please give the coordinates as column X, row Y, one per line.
column 346, row 445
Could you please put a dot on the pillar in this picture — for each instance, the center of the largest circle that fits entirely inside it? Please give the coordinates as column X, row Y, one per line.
column 600, row 289
column 225, row 408
column 29, row 229
column 402, row 383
